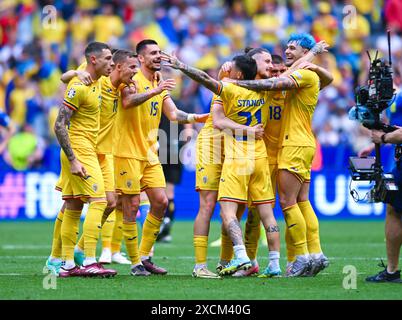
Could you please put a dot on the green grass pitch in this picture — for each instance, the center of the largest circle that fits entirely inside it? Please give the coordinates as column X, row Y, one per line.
column 24, row 247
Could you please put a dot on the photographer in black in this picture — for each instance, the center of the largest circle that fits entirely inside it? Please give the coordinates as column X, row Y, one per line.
column 393, row 220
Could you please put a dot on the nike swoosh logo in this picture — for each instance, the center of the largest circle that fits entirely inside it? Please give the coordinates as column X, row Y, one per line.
column 133, row 238
column 292, row 225
column 87, row 177
column 123, row 173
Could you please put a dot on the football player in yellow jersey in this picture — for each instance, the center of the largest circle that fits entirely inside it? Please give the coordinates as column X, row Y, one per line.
column 210, row 156
column 245, row 169
column 296, row 155
column 137, row 166
column 81, row 180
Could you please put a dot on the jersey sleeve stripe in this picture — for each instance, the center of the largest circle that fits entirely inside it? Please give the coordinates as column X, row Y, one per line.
column 70, row 105
column 294, row 80
column 220, row 87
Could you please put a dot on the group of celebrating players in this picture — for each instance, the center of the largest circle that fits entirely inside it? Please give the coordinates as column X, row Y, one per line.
column 257, row 140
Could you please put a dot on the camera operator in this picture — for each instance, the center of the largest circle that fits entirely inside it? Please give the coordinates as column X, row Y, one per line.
column 393, row 220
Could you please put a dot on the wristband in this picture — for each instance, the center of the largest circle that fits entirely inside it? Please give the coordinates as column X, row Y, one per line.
column 191, row 118
column 383, row 138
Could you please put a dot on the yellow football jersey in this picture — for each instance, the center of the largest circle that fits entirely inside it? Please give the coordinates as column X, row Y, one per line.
column 300, row 105
column 210, row 141
column 84, row 123
column 245, row 107
column 136, row 128
column 110, row 101
column 273, row 128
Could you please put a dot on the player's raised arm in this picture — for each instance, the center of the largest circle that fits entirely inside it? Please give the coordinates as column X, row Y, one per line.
column 271, row 84
column 221, row 122
column 60, row 129
column 130, row 97
column 197, row 75
column 174, row 114
column 325, row 76
column 84, row 76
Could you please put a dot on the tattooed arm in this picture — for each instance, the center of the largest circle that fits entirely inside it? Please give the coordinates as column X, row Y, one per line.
column 130, row 97
column 271, row 84
column 174, row 114
column 197, row 75
column 60, row 130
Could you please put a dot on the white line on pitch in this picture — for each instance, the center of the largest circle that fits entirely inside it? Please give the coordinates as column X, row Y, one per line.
column 23, row 247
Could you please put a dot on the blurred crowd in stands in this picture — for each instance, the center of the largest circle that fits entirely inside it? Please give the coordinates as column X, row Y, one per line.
column 39, row 40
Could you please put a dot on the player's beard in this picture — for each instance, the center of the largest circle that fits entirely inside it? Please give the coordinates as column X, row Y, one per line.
column 152, row 66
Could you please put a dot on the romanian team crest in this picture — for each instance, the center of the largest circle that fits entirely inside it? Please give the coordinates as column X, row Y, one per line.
column 129, row 183
column 95, row 187
column 71, row 93
column 204, row 179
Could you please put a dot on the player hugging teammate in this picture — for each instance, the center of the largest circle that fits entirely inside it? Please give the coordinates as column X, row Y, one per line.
column 257, row 139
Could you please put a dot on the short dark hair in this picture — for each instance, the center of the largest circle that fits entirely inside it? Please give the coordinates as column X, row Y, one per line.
column 277, row 59
column 120, row 55
column 249, row 51
column 95, row 48
column 143, row 43
column 246, row 65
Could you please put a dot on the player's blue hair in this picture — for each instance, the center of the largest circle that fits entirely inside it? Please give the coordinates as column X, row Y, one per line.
column 305, row 40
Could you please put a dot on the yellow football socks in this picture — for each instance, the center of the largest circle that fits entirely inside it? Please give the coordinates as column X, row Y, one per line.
column 297, row 229
column 56, row 243
column 252, row 233
column 69, row 232
column 290, row 249
column 313, row 236
column 107, row 231
column 226, row 247
column 117, row 235
column 130, row 234
column 200, row 249
column 92, row 227
column 150, row 231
